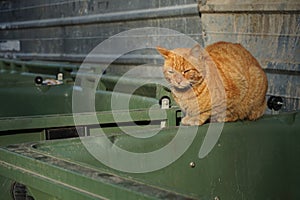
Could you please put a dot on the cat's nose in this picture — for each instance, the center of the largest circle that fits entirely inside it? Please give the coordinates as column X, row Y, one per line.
column 178, row 80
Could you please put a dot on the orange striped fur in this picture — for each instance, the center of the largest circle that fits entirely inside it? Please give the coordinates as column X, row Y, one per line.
column 222, row 83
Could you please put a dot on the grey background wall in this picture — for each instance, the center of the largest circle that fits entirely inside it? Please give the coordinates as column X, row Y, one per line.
column 69, row 29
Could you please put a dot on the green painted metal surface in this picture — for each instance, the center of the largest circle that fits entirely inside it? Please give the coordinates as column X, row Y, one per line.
column 21, row 137
column 251, row 160
column 21, row 96
column 105, row 117
column 15, row 130
column 34, row 108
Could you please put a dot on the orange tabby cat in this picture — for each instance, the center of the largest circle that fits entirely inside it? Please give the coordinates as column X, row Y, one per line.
column 222, row 83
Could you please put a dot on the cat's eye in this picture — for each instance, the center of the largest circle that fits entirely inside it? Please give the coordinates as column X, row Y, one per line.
column 170, row 71
column 186, row 71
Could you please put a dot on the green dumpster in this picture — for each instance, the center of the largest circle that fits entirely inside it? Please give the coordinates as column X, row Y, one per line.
column 250, row 160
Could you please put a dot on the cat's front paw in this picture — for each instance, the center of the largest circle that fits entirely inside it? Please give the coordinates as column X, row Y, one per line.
column 191, row 121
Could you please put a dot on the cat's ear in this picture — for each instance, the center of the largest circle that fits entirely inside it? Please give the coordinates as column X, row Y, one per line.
column 196, row 51
column 199, row 53
column 164, row 52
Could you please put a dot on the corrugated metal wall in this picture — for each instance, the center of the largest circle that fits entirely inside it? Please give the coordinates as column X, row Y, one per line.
column 69, row 29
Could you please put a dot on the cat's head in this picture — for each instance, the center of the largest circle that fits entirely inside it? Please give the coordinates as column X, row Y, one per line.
column 183, row 67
